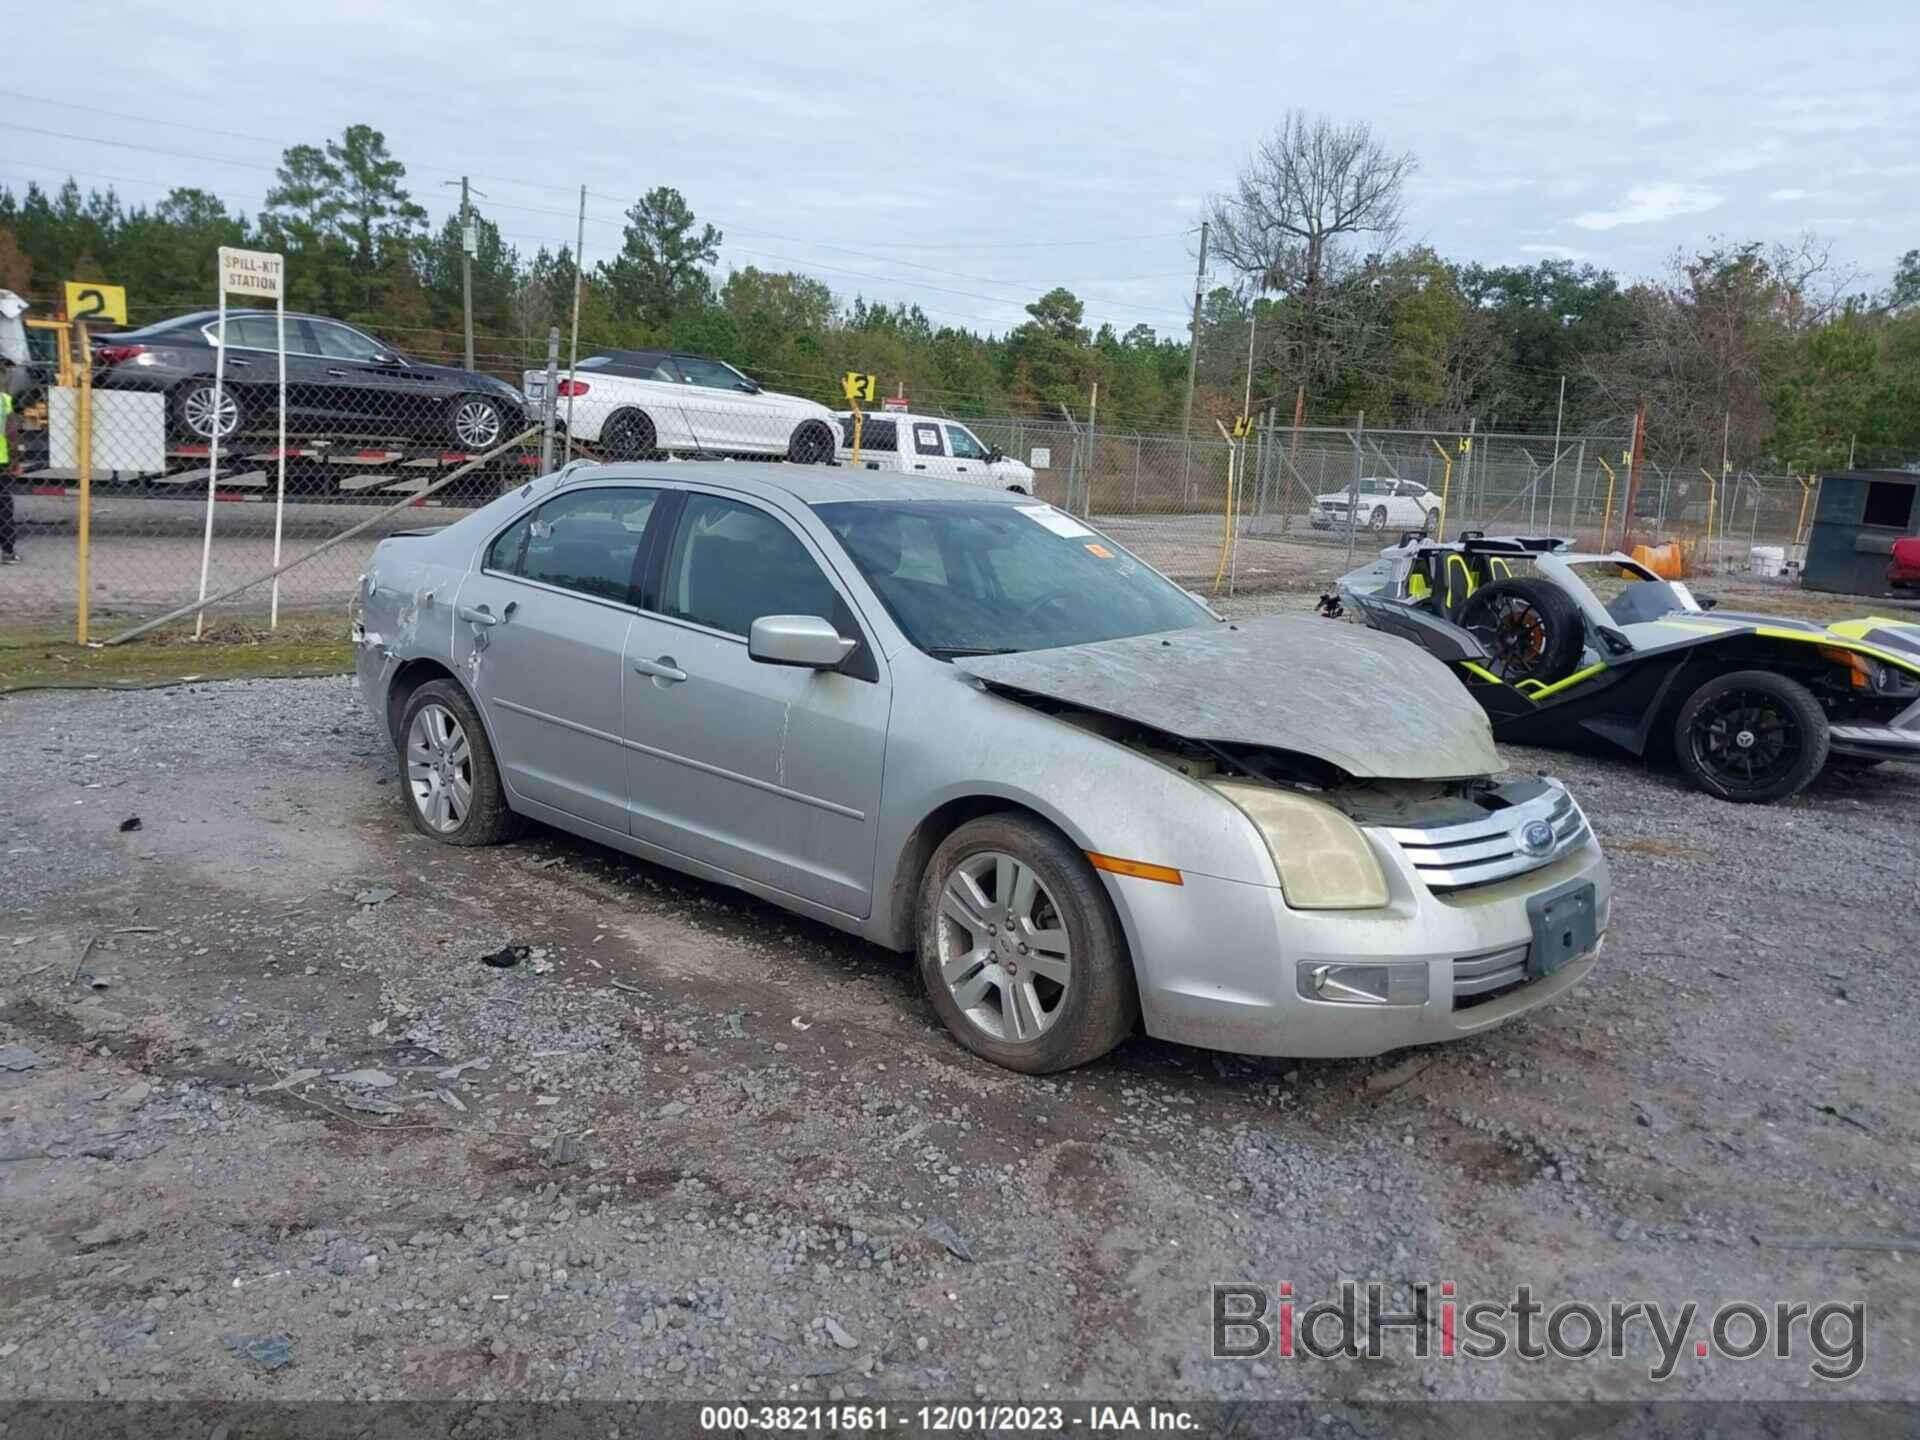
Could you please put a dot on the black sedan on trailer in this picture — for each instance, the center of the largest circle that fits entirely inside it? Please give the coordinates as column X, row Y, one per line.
column 340, row 381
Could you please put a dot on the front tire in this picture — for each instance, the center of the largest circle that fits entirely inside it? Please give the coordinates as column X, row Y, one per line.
column 193, row 411
column 447, row 771
column 1377, row 520
column 812, row 444
column 1020, row 950
column 1751, row 737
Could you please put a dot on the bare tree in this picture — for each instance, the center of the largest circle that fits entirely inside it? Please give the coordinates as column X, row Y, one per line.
column 1314, row 202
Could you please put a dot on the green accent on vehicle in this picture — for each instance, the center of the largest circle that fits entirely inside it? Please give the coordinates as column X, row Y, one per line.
column 1473, row 667
column 1541, row 691
column 1858, row 629
column 1828, row 638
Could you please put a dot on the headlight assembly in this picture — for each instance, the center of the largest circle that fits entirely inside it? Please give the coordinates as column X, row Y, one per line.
column 1323, row 860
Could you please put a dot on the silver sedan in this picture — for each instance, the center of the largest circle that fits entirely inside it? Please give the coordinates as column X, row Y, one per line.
column 960, row 722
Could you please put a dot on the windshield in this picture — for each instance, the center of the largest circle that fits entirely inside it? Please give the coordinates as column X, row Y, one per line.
column 964, row 578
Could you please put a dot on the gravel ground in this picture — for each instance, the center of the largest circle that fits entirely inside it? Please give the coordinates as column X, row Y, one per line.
column 293, row 1139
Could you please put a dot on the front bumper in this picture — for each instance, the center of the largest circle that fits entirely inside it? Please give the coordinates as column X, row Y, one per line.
column 1218, row 960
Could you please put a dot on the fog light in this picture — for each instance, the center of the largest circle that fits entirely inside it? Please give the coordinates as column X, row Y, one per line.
column 1363, row 984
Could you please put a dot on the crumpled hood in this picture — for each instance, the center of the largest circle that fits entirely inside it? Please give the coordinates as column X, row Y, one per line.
column 1374, row 705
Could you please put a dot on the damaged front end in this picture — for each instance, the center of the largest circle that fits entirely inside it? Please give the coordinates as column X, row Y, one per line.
column 1418, row 893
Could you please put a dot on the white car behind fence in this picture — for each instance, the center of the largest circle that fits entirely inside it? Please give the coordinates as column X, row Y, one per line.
column 641, row 404
column 1383, row 503
column 931, row 448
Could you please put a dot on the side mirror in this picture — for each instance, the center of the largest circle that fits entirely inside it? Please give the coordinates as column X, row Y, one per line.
column 803, row 640
column 747, row 386
column 995, row 454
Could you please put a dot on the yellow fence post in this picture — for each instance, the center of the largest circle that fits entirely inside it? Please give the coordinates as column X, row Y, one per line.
column 1606, row 515
column 1446, row 488
column 1800, row 525
column 1226, row 534
column 1713, row 498
column 83, row 462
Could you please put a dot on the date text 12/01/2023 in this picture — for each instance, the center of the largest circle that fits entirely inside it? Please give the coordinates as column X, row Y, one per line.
column 942, row 1419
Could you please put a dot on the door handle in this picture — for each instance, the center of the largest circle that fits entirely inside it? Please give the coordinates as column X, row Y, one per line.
column 338, row 374
column 961, row 469
column 661, row 669
column 479, row 615
column 919, row 467
column 235, row 361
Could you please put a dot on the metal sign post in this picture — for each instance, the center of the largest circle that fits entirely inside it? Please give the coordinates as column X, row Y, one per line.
column 857, row 387
column 255, row 273
column 83, row 463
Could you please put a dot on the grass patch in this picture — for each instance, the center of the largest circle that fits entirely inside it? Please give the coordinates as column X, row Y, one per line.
column 230, row 649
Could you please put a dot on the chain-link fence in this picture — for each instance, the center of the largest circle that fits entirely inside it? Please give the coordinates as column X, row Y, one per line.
column 171, row 474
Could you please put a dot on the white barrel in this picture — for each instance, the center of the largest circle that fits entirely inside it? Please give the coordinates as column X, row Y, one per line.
column 1769, row 559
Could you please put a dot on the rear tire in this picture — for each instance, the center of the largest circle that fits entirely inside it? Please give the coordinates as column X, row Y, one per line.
column 476, row 423
column 1530, row 628
column 448, row 776
column 1051, row 990
column 630, row 435
column 1433, row 522
column 193, row 411
column 812, row 444
column 1751, row 737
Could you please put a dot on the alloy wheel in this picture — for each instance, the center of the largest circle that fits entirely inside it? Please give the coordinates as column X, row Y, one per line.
column 1745, row 739
column 476, row 424
column 198, row 411
column 440, row 768
column 1513, row 634
column 1003, row 947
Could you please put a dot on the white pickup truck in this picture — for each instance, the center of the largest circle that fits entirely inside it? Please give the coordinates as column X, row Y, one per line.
column 927, row 445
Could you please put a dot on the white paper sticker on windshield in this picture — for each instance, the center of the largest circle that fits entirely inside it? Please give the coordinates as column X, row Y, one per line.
column 1058, row 521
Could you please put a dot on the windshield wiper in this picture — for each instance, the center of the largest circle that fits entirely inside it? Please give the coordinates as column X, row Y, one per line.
column 952, row 652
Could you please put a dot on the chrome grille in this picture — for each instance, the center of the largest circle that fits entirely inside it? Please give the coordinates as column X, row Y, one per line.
column 1480, row 852
column 1481, row 977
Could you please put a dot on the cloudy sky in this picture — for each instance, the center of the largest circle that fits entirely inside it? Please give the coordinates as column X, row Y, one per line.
column 969, row 155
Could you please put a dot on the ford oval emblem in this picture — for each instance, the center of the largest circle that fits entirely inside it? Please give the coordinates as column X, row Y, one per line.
column 1536, row 837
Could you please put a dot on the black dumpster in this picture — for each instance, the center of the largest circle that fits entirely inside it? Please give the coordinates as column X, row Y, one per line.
column 1859, row 515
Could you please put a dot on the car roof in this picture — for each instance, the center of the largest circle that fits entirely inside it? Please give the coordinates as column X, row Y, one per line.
column 919, row 415
column 195, row 319
column 808, row 484
column 635, row 357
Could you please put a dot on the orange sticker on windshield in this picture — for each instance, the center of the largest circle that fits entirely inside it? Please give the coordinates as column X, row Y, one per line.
column 1100, row 551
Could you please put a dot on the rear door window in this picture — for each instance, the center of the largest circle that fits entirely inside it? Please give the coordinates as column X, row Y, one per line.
column 926, row 439
column 586, row 542
column 878, row 435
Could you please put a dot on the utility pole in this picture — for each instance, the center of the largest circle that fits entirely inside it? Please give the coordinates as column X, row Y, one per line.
column 469, row 244
column 1193, row 340
column 1193, row 362
column 573, row 345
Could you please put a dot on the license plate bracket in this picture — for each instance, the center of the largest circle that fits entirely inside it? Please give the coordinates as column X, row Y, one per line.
column 1565, row 927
